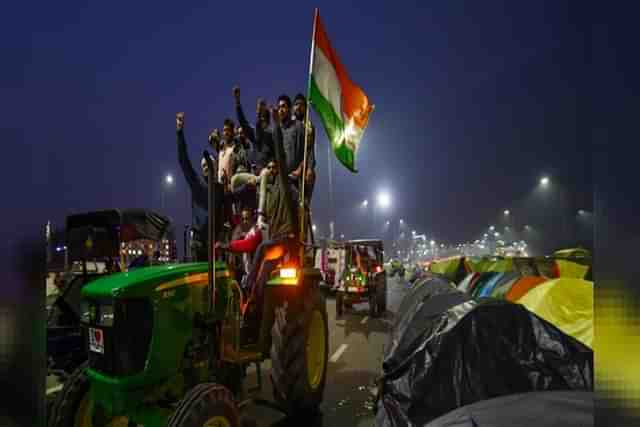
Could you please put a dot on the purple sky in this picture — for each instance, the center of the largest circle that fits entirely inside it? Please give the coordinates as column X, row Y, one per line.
column 474, row 101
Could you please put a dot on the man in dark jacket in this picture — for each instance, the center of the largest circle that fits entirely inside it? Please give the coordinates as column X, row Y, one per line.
column 199, row 196
column 299, row 114
column 260, row 136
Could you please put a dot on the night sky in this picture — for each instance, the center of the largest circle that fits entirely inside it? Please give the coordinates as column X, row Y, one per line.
column 475, row 101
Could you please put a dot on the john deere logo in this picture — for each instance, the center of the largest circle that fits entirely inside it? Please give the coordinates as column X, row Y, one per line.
column 88, row 243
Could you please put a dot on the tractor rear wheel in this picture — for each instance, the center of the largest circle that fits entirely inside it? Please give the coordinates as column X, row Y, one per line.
column 206, row 405
column 299, row 351
column 74, row 406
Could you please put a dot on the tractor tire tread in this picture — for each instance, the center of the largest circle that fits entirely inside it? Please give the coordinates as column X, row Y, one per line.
column 288, row 359
column 191, row 411
column 64, row 405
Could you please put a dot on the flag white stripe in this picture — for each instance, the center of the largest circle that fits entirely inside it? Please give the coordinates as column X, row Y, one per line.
column 327, row 81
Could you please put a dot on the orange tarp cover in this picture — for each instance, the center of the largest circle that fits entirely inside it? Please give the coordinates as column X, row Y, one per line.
column 522, row 286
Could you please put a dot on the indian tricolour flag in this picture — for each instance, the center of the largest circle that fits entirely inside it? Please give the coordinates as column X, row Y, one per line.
column 342, row 106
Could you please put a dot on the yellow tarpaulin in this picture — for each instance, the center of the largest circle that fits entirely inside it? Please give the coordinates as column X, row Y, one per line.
column 499, row 266
column 447, row 267
column 570, row 269
column 567, row 304
column 477, row 265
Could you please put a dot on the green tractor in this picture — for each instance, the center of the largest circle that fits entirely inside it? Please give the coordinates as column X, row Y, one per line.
column 364, row 278
column 170, row 345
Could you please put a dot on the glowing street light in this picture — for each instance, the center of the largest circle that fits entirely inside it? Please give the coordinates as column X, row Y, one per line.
column 365, row 203
column 384, row 199
column 506, row 212
column 168, row 179
column 314, row 228
column 388, row 223
column 432, row 243
column 544, row 181
column 401, row 221
column 492, row 228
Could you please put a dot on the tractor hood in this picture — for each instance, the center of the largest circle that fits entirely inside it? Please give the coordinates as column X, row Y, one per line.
column 141, row 282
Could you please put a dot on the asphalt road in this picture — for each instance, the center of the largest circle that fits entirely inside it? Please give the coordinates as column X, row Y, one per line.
column 356, row 345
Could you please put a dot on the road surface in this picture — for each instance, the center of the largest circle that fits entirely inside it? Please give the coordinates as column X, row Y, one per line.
column 356, row 343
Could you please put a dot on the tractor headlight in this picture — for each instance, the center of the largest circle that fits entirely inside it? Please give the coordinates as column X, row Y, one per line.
column 288, row 273
column 106, row 315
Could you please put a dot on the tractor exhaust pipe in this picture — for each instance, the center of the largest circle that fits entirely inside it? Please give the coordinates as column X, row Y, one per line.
column 211, row 232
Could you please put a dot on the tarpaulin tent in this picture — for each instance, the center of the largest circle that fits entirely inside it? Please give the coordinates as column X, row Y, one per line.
column 566, row 303
column 464, row 285
column 505, row 284
column 488, row 286
column 448, row 352
column 570, row 269
column 500, row 278
column 452, row 268
column 539, row 409
column 547, row 267
column 522, row 286
column 476, row 264
column 482, row 281
column 499, row 265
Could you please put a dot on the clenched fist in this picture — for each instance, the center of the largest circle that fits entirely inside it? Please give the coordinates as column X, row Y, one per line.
column 179, row 121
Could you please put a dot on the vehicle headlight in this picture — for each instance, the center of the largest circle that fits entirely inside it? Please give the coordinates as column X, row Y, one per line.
column 106, row 315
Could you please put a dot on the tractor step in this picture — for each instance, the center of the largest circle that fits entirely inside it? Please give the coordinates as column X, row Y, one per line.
column 242, row 357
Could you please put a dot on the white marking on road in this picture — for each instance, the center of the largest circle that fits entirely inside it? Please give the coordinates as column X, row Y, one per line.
column 338, row 353
column 54, row 389
column 363, row 321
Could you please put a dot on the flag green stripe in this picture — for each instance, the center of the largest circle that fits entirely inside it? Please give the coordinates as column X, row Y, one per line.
column 334, row 126
column 332, row 123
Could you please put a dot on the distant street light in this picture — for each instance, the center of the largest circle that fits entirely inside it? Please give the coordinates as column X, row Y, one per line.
column 384, row 199
column 168, row 179
column 365, row 203
column 544, row 181
column 492, row 228
column 314, row 228
column 342, row 236
column 401, row 221
column 388, row 223
column 432, row 243
column 506, row 212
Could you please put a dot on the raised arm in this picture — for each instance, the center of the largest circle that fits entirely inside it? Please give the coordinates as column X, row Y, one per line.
column 242, row 119
column 197, row 187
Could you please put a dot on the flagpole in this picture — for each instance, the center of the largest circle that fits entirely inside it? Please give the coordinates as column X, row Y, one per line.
column 303, row 211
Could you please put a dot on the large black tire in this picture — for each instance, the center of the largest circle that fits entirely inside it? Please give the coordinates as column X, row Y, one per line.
column 339, row 303
column 73, row 406
column 292, row 388
column 205, row 404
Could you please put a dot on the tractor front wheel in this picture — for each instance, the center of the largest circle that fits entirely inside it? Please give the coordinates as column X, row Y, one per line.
column 299, row 352
column 74, row 406
column 206, row 405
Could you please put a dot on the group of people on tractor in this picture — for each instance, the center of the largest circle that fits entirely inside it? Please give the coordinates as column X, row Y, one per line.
column 258, row 181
